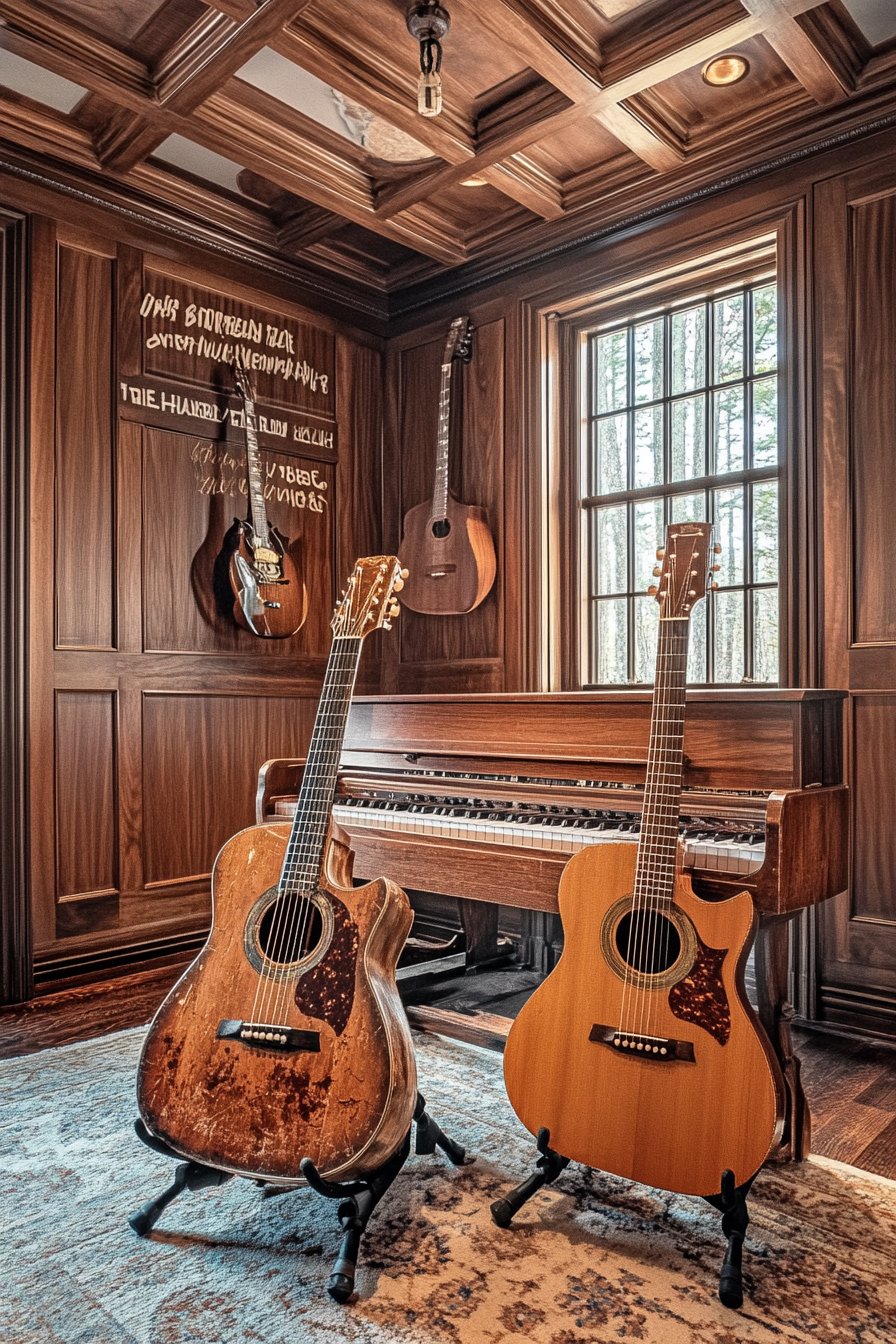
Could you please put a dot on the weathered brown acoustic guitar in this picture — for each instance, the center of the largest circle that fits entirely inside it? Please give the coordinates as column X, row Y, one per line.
column 447, row 546
column 270, row 598
column 286, row 1038
column 640, row 1053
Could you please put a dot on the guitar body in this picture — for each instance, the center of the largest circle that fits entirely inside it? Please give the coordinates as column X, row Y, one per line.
column 451, row 574
column 270, row 599
column 670, row 1122
column 256, row 1110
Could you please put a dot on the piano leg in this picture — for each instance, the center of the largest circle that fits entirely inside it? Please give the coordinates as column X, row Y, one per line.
column 772, row 963
column 484, row 948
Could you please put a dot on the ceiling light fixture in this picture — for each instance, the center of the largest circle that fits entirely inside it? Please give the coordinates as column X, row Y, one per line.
column 428, row 24
column 727, row 69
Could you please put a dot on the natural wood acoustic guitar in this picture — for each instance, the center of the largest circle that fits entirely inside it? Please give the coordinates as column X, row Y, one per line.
column 447, row 546
column 640, row 1052
column 286, row 1038
column 270, row 598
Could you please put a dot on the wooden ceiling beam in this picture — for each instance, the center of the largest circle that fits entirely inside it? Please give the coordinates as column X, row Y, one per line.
column 377, row 84
column 803, row 58
column 528, row 185
column 515, row 139
column 214, row 49
column 299, row 163
column 57, row 43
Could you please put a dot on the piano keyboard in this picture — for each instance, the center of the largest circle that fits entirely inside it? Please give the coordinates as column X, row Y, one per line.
column 554, row 832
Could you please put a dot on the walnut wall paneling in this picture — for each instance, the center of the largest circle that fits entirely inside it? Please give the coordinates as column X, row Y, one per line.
column 87, row 880
column 856, row 295
column 84, row 451
column 193, row 489
column 200, row 765
column 442, row 653
column 15, row 914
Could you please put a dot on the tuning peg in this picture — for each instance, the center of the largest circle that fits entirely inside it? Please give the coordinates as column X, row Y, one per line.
column 394, row 610
column 387, row 625
column 652, row 590
column 404, row 573
column 656, row 571
column 398, row 585
column 714, row 587
column 692, row 592
column 715, row 569
column 660, row 552
column 717, row 549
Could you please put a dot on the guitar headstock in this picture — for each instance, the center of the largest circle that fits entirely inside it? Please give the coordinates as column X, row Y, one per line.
column 460, row 341
column 243, row 380
column 687, row 565
column 368, row 601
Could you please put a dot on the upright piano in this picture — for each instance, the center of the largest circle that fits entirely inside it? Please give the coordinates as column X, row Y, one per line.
column 486, row 797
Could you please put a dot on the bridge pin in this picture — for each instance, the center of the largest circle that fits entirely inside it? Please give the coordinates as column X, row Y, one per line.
column 269, row 1035
column 663, row 1050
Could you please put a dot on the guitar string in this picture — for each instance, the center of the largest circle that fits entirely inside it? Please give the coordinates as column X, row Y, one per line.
column 268, row 978
column 666, row 822
column 305, row 852
column 311, row 862
column 652, row 869
column 635, row 942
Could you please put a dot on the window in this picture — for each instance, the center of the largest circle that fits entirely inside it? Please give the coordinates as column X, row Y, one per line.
column 681, row 424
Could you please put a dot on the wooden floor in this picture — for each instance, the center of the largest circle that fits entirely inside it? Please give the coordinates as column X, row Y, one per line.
column 850, row 1083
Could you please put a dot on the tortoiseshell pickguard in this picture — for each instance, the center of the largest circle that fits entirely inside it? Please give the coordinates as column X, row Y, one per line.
column 700, row 997
column 327, row 991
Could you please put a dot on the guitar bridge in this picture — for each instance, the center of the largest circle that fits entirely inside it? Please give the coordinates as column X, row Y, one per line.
column 269, row 1036
column 660, row 1049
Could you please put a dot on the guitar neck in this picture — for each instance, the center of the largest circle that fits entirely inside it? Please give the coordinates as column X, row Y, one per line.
column 256, row 486
column 440, row 489
column 303, row 863
column 658, row 844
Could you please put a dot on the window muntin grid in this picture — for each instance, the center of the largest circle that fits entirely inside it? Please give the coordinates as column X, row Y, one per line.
column 682, row 425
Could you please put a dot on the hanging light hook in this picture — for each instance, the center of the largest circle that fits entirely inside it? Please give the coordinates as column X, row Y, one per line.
column 428, row 24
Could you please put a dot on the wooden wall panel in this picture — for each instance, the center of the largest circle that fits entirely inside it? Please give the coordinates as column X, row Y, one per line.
column 874, row 835
column 86, row 802
column 85, row 526
column 201, row 756
column 193, row 488
column 874, row 419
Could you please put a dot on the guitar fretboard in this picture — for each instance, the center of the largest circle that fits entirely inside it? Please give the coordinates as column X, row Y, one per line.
column 256, row 487
column 658, row 845
column 440, row 489
column 304, row 858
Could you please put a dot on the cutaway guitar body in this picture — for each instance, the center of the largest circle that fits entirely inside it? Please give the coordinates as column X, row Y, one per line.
column 697, row 1089
column 270, row 599
column 341, row 1087
column 450, row 561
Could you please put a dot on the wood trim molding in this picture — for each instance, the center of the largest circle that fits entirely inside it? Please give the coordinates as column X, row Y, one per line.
column 16, row 982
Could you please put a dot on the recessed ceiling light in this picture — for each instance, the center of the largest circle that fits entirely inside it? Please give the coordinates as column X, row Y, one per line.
column 727, row 69
column 474, row 182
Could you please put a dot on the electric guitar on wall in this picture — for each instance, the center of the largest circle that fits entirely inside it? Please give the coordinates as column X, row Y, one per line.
column 286, row 1038
column 640, row 1053
column 447, row 546
column 270, row 599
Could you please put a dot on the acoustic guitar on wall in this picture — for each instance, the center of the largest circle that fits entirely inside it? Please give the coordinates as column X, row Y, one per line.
column 640, row 1052
column 270, row 598
column 286, row 1038
column 447, row 546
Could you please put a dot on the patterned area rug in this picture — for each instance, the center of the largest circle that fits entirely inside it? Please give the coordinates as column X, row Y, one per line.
column 590, row 1259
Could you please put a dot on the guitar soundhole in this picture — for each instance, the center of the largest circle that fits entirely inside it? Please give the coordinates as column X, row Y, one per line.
column 441, row 528
column 288, row 933
column 648, row 942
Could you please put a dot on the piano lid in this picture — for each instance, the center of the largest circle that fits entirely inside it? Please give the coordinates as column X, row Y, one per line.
column 735, row 737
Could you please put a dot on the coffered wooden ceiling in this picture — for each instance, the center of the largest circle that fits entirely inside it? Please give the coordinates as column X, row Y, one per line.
column 570, row 113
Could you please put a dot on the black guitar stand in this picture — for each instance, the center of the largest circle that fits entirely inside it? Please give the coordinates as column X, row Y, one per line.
column 359, row 1198
column 731, row 1202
